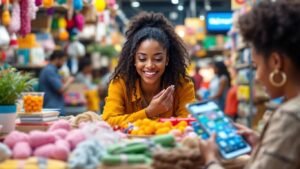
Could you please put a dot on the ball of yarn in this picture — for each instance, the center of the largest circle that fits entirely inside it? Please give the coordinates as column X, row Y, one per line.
column 89, row 116
column 44, row 151
column 5, row 152
column 39, row 138
column 60, row 133
column 59, row 153
column 61, row 124
column 15, row 137
column 75, row 137
column 63, row 143
column 22, row 150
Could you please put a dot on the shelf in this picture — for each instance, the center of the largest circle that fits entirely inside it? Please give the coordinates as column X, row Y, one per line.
column 29, row 66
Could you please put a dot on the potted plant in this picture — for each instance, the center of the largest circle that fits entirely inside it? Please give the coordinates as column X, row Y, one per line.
column 12, row 84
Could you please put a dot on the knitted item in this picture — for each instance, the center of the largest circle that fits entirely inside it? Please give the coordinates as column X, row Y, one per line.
column 61, row 124
column 124, row 159
column 15, row 23
column 15, row 137
column 5, row 152
column 87, row 155
column 179, row 158
column 25, row 17
column 22, row 150
column 39, row 138
column 60, row 133
column 85, row 117
column 75, row 137
column 61, row 150
column 44, row 151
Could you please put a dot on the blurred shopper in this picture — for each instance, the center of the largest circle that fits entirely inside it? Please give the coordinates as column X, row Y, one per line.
column 197, row 79
column 220, row 84
column 272, row 29
column 150, row 80
column 85, row 73
column 52, row 84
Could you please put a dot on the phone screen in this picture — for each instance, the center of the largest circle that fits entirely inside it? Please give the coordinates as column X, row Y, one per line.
column 213, row 120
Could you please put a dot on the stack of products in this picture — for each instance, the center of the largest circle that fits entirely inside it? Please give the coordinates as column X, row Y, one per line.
column 44, row 116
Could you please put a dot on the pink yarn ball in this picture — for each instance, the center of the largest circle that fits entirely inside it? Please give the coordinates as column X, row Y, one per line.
column 15, row 137
column 39, row 138
column 63, row 143
column 61, row 124
column 22, row 150
column 60, row 133
column 60, row 153
column 44, row 151
column 75, row 137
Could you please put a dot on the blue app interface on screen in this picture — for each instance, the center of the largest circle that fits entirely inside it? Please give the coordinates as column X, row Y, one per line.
column 214, row 121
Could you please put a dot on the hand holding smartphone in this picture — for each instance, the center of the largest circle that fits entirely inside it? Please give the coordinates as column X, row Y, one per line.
column 212, row 120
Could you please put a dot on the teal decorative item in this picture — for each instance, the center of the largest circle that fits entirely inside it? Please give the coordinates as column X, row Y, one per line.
column 78, row 5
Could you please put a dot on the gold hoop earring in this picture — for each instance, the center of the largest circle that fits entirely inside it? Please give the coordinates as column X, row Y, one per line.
column 272, row 76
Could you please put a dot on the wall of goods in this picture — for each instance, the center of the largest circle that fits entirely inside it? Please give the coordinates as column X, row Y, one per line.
column 251, row 95
column 30, row 29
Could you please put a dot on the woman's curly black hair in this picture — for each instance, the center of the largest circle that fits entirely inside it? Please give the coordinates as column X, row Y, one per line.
column 152, row 26
column 274, row 26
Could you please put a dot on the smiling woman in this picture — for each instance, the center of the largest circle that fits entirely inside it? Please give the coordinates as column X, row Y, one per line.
column 150, row 80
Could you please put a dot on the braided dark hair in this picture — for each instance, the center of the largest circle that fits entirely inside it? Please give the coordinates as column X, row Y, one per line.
column 154, row 26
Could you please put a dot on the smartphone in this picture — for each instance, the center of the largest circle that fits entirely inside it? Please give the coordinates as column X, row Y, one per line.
column 212, row 120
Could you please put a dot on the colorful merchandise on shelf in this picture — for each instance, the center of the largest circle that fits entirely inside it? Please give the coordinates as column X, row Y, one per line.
column 100, row 5
column 15, row 24
column 6, row 19
column 243, row 92
column 48, row 3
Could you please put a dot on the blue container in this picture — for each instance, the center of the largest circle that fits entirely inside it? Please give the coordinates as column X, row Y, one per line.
column 7, row 118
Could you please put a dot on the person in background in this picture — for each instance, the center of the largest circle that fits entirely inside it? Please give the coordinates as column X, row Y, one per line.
column 52, row 84
column 105, row 75
column 220, row 84
column 85, row 72
column 197, row 79
column 150, row 80
column 272, row 30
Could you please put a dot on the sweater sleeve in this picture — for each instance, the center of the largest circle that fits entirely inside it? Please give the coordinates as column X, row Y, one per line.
column 114, row 110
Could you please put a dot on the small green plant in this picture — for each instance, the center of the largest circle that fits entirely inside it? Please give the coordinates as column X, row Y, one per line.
column 12, row 84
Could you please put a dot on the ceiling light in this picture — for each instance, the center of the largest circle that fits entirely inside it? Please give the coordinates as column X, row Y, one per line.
column 175, row 2
column 135, row 4
column 202, row 17
column 180, row 8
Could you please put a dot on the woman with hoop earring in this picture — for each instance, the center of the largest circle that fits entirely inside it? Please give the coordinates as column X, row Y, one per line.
column 272, row 29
